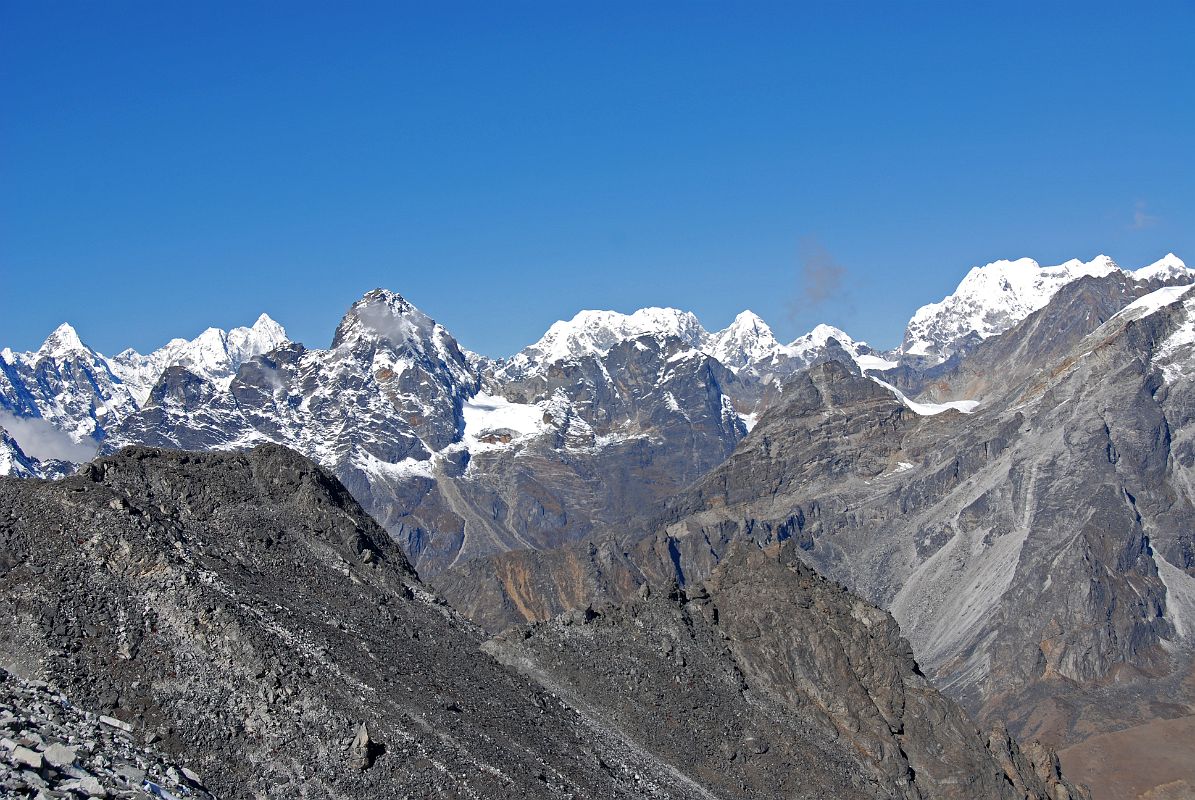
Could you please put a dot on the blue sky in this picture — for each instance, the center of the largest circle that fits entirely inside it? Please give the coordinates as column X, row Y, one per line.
column 169, row 166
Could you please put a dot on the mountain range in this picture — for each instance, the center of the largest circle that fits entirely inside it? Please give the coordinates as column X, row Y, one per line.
column 1012, row 482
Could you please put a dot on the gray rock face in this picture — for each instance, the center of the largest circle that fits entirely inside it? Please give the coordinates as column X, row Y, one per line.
column 1021, row 545
column 770, row 681
column 242, row 611
column 222, row 602
column 617, row 433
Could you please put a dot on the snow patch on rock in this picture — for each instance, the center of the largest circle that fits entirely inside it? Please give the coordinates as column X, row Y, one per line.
column 930, row 409
column 492, row 421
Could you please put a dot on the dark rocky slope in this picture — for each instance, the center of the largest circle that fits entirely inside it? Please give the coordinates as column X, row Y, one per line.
column 760, row 679
column 242, row 611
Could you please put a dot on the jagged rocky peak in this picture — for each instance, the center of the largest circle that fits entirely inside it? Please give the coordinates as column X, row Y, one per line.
column 387, row 328
column 746, row 340
column 383, row 315
column 66, row 384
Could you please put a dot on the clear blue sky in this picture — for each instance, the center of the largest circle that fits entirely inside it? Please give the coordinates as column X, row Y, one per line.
column 169, row 166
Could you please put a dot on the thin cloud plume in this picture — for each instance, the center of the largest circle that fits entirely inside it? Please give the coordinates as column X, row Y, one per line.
column 820, row 279
column 1142, row 219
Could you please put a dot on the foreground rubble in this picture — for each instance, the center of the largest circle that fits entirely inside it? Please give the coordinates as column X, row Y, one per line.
column 50, row 748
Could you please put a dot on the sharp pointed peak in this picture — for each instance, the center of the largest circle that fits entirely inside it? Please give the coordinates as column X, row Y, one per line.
column 745, row 323
column 748, row 317
column 63, row 340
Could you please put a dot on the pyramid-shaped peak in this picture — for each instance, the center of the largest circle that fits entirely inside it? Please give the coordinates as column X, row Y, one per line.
column 63, row 341
column 383, row 316
column 748, row 319
column 266, row 322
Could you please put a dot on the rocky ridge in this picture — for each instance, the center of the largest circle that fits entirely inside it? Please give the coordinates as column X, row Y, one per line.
column 243, row 613
column 611, row 413
column 752, row 678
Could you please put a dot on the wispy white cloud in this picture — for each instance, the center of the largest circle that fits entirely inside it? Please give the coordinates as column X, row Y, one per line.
column 1141, row 218
column 42, row 441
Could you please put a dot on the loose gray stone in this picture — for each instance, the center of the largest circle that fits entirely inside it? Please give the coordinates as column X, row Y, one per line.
column 60, row 755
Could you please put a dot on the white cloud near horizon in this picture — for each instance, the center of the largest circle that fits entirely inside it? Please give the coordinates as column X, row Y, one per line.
column 41, row 440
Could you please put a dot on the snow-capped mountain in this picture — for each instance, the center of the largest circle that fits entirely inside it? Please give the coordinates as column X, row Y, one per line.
column 593, row 333
column 65, row 383
column 388, row 389
column 993, row 298
column 819, row 344
column 214, row 355
column 747, row 345
column 1168, row 268
column 747, row 340
column 395, row 408
column 66, row 396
